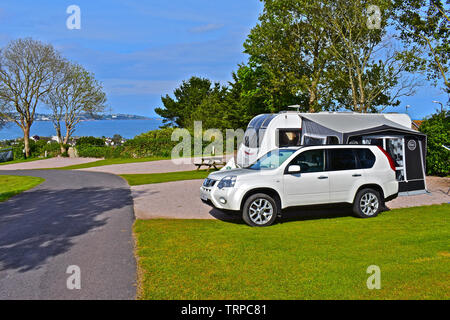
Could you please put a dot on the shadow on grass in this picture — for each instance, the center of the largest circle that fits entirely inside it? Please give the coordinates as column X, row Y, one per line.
column 295, row 214
column 42, row 224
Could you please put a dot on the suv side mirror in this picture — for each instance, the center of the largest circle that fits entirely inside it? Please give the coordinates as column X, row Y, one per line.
column 294, row 169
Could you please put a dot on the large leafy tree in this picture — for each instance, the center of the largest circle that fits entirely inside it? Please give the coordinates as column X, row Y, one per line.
column 188, row 97
column 425, row 26
column 29, row 69
column 371, row 74
column 325, row 54
column 290, row 45
column 78, row 92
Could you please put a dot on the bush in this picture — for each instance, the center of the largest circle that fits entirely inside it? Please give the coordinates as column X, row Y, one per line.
column 152, row 143
column 90, row 141
column 92, row 151
column 437, row 129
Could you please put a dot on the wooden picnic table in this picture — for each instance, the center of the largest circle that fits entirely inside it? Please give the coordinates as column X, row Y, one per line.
column 211, row 162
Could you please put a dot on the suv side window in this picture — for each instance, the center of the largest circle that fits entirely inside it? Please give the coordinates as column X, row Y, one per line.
column 310, row 161
column 341, row 159
column 366, row 158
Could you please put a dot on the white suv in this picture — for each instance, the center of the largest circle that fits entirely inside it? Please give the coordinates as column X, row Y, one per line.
column 363, row 175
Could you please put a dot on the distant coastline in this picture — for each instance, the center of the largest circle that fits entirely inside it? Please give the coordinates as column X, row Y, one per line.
column 89, row 117
column 127, row 128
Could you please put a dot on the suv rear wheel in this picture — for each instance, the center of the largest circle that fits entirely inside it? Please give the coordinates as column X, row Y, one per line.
column 260, row 210
column 367, row 203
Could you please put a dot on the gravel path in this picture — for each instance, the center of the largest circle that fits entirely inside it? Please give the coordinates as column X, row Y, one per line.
column 180, row 200
column 57, row 162
column 73, row 218
column 160, row 166
column 439, row 189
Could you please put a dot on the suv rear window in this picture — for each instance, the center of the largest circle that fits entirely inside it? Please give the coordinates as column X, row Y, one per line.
column 366, row 158
column 341, row 159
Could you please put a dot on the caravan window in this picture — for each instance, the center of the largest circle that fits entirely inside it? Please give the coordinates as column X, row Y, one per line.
column 256, row 129
column 251, row 138
column 289, row 138
column 311, row 141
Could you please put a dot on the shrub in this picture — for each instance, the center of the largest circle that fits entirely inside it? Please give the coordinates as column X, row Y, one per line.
column 88, row 151
column 437, row 129
column 90, row 141
column 152, row 143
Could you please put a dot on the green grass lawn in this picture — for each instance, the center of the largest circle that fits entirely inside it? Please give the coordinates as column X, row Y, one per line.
column 107, row 162
column 311, row 259
column 12, row 185
column 21, row 160
column 140, row 179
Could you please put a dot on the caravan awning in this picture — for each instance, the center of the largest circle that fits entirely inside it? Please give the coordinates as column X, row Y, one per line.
column 344, row 125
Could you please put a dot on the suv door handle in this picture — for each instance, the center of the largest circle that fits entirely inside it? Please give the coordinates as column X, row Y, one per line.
column 356, row 175
column 322, row 177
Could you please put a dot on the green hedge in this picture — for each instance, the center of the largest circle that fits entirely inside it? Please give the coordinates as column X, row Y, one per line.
column 37, row 149
column 437, row 129
column 156, row 143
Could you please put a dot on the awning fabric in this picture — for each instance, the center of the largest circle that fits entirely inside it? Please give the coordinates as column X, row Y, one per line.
column 344, row 125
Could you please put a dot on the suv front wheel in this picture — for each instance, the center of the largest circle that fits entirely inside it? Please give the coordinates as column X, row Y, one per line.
column 260, row 210
column 367, row 203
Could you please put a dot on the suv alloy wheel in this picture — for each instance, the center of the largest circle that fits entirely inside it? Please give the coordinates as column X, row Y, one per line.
column 367, row 203
column 260, row 210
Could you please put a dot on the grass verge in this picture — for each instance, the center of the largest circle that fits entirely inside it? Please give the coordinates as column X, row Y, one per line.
column 107, row 162
column 140, row 179
column 311, row 259
column 21, row 161
column 13, row 185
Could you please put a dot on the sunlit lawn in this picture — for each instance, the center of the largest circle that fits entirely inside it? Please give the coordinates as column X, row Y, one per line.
column 106, row 162
column 311, row 259
column 140, row 179
column 12, row 185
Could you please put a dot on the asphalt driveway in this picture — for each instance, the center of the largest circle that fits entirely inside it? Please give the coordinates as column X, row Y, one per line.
column 74, row 218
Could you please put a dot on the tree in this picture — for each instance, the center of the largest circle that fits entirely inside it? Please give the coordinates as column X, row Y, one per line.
column 370, row 72
column 290, row 43
column 437, row 129
column 189, row 103
column 425, row 25
column 29, row 69
column 325, row 54
column 78, row 92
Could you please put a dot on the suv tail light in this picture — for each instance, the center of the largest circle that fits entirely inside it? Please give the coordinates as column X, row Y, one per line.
column 391, row 161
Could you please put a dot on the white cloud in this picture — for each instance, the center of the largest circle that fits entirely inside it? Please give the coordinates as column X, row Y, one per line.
column 206, row 28
column 118, row 87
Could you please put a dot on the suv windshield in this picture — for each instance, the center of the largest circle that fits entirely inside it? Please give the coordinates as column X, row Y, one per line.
column 272, row 160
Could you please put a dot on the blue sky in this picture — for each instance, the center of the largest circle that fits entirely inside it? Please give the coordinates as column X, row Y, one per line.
column 142, row 50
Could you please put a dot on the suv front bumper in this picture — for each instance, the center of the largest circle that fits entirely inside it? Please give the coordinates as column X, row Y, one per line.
column 224, row 199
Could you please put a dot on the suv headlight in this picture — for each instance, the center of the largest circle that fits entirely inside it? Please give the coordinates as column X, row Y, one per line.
column 227, row 182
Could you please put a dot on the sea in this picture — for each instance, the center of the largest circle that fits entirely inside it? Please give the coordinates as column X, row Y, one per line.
column 97, row 128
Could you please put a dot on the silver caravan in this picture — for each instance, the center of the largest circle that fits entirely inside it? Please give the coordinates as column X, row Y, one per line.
column 390, row 131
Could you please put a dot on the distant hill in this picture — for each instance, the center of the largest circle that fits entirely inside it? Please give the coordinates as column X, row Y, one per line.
column 86, row 116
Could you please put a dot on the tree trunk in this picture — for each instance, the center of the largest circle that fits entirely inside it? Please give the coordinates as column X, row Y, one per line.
column 312, row 96
column 66, row 138
column 60, row 141
column 26, row 139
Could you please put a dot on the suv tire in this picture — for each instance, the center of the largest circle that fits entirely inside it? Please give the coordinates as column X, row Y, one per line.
column 367, row 203
column 260, row 210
